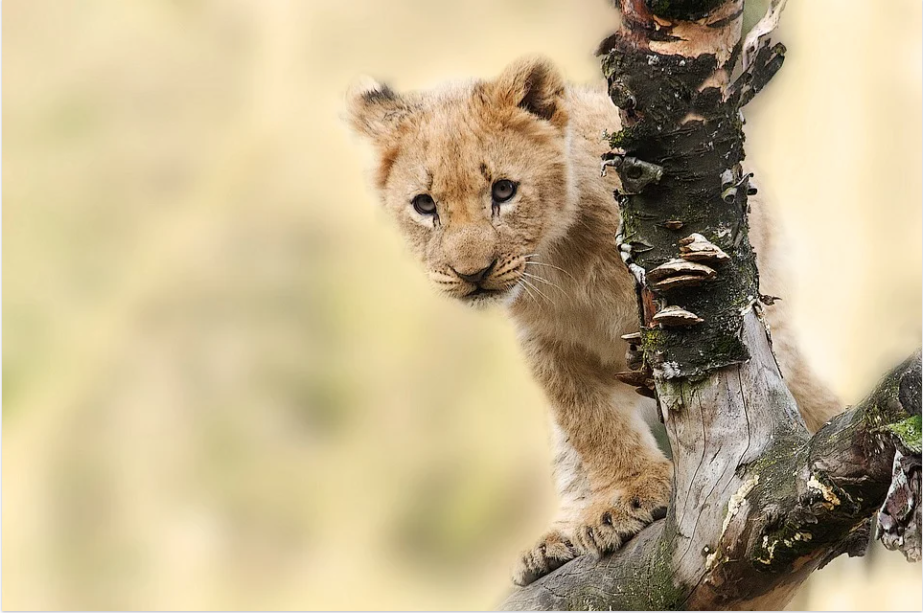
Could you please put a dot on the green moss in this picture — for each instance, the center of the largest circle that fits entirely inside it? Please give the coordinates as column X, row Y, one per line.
column 725, row 345
column 664, row 594
column 623, row 139
column 648, row 587
column 908, row 431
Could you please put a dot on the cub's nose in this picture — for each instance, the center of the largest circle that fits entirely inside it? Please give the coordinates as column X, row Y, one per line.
column 478, row 276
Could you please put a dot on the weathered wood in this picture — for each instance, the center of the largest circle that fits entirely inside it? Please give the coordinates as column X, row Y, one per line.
column 761, row 514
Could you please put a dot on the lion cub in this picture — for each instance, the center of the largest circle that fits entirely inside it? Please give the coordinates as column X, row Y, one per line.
column 496, row 186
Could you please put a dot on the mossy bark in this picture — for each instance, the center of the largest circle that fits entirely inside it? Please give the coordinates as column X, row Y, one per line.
column 678, row 122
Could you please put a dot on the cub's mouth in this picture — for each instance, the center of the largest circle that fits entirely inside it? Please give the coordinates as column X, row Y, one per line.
column 483, row 291
column 499, row 283
column 483, row 296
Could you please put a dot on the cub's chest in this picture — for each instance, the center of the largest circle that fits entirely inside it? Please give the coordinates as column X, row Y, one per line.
column 590, row 316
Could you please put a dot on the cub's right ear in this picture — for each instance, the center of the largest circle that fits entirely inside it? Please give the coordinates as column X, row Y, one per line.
column 534, row 85
column 374, row 109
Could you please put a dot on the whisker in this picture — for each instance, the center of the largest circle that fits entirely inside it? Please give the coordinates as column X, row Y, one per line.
column 526, row 287
column 544, row 280
column 540, row 292
column 552, row 266
column 547, row 282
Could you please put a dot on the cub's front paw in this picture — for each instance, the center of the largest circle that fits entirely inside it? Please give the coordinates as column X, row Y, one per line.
column 604, row 529
column 608, row 527
column 603, row 526
column 616, row 517
column 552, row 551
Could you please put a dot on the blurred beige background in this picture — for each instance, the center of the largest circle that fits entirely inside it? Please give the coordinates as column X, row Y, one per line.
column 225, row 383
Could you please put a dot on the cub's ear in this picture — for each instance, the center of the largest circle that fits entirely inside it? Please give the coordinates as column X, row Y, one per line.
column 374, row 109
column 535, row 85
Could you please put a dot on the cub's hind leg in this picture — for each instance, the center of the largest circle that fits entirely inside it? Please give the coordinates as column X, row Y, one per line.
column 611, row 477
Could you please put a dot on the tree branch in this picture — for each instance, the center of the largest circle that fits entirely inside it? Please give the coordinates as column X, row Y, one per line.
column 758, row 504
column 801, row 503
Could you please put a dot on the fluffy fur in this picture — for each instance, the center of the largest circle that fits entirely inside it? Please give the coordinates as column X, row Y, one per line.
column 548, row 255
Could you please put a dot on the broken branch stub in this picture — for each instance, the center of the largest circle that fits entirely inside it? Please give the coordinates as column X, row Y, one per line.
column 900, row 516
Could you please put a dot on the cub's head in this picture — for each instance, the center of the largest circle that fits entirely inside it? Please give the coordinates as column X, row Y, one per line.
column 476, row 175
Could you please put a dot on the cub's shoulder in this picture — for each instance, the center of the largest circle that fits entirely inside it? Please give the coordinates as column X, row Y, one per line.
column 590, row 110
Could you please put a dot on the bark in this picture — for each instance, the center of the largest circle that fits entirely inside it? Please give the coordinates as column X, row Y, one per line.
column 758, row 503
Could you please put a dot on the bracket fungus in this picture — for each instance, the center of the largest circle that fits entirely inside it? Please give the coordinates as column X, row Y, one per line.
column 674, row 317
column 697, row 248
column 637, row 378
column 633, row 338
column 679, row 273
column 641, row 380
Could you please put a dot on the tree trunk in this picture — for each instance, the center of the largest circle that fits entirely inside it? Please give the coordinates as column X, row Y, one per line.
column 758, row 504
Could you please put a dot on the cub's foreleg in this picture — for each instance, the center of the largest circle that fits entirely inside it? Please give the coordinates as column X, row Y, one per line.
column 612, row 478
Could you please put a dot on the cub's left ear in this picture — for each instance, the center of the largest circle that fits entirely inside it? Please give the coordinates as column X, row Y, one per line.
column 534, row 85
column 374, row 109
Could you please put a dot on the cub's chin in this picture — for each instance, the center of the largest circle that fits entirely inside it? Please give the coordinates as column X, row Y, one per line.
column 482, row 298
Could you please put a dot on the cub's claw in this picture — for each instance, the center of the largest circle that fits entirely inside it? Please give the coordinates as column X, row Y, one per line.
column 551, row 552
column 609, row 527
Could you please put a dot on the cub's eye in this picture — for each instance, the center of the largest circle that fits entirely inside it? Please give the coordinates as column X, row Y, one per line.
column 502, row 190
column 424, row 204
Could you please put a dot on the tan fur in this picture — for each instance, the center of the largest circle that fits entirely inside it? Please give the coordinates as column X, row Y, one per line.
column 554, row 264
